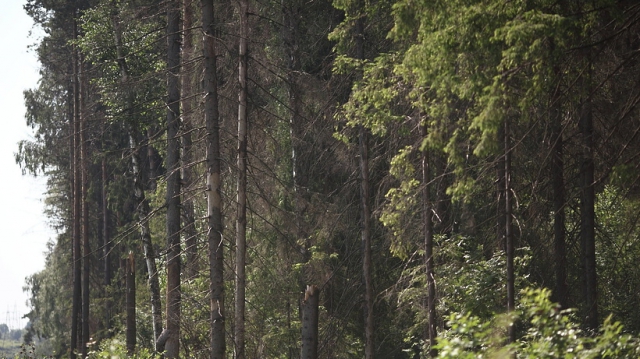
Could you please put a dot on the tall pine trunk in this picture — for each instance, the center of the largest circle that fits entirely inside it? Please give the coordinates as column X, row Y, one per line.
column 130, row 299
column 365, row 211
column 106, row 246
column 86, row 250
column 557, row 178
column 187, row 101
column 142, row 207
column 241, row 219
column 214, row 184
column 428, row 246
column 588, row 215
column 172, row 345
column 508, row 231
column 77, row 206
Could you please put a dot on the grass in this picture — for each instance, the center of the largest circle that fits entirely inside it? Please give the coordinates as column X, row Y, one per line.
column 9, row 348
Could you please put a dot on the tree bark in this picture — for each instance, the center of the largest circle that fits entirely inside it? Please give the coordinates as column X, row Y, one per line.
column 366, row 242
column 588, row 216
column 86, row 250
column 508, row 215
column 241, row 219
column 106, row 248
column 77, row 206
column 214, row 184
column 172, row 346
column 143, row 211
column 428, row 245
column 309, row 308
column 131, row 304
column 557, row 177
column 142, row 207
column 187, row 78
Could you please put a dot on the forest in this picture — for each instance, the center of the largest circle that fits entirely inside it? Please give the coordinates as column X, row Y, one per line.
column 336, row 179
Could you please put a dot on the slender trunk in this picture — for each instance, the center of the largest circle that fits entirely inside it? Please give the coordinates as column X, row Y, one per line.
column 289, row 36
column 77, row 208
column 309, row 308
column 588, row 216
column 143, row 212
column 557, row 177
column 241, row 222
column 131, row 304
column 365, row 212
column 214, row 184
column 187, row 78
column 106, row 247
column 508, row 214
column 142, row 207
column 86, row 250
column 172, row 346
column 428, row 245
column 366, row 242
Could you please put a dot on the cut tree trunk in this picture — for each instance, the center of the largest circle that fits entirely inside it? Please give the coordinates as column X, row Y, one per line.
column 309, row 309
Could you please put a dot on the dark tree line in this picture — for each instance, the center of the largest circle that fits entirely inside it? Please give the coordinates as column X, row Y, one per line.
column 334, row 180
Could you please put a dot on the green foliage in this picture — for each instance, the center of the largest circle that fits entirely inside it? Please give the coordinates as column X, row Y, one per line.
column 115, row 349
column 401, row 201
column 548, row 332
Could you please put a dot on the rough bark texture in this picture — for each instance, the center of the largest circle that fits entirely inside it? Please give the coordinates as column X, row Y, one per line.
column 241, row 219
column 588, row 217
column 366, row 242
column 557, row 177
column 296, row 133
column 131, row 304
column 309, row 309
column 143, row 211
column 366, row 214
column 214, row 184
column 106, row 247
column 77, row 208
column 172, row 345
column 187, row 102
column 86, row 250
column 508, row 213
column 428, row 247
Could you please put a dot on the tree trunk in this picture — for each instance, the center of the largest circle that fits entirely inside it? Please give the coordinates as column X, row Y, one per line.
column 366, row 211
column 241, row 221
column 106, row 248
column 143, row 212
column 187, row 78
column 131, row 304
column 214, row 184
column 172, row 346
column 557, row 177
column 290, row 31
column 366, row 242
column 588, row 216
column 77, row 206
column 86, row 250
column 508, row 214
column 428, row 245
column 142, row 207
column 309, row 309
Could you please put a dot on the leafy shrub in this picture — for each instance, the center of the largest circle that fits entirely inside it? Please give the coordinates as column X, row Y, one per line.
column 546, row 332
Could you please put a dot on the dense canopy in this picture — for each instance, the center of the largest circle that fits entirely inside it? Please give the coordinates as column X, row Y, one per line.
column 390, row 179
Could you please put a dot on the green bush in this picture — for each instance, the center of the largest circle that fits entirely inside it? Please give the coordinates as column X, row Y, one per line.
column 545, row 331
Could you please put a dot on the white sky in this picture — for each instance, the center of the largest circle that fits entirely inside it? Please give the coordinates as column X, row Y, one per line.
column 23, row 228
